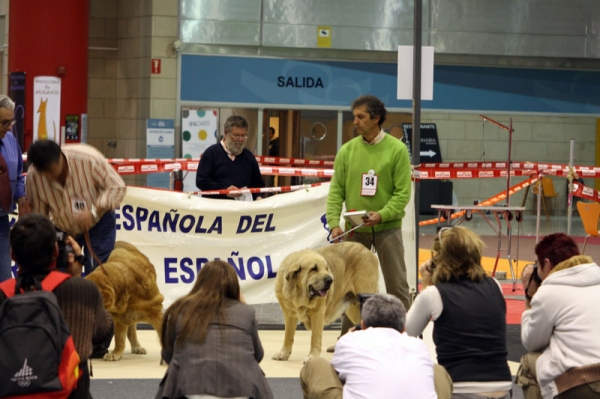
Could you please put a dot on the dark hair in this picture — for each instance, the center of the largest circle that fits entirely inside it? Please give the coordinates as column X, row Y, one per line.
column 42, row 153
column 384, row 310
column 33, row 241
column 557, row 248
column 195, row 311
column 374, row 106
column 272, row 130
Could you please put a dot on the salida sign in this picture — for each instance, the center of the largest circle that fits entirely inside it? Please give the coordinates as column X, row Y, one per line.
column 306, row 82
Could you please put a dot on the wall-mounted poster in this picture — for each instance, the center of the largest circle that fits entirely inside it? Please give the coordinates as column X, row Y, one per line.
column 72, row 128
column 160, row 143
column 16, row 91
column 199, row 130
column 46, row 108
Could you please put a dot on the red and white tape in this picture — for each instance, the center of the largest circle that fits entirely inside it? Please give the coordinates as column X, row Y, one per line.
column 488, row 202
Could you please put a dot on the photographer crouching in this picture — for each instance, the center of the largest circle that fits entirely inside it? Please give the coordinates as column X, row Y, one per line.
column 34, row 247
column 377, row 361
column 560, row 324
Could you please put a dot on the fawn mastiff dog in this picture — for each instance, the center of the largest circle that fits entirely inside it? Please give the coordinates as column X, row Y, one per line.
column 316, row 286
column 127, row 282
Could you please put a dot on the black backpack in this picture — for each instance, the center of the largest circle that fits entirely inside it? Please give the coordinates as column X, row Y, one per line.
column 38, row 357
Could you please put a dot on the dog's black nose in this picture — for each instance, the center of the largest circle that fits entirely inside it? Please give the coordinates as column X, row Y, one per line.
column 328, row 280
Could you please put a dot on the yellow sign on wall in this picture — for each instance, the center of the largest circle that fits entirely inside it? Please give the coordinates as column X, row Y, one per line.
column 324, row 36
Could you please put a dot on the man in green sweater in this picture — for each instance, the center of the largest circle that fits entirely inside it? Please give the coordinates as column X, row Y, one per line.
column 372, row 173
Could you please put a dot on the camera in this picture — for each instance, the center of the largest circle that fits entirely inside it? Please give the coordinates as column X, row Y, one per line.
column 535, row 276
column 362, row 298
column 64, row 249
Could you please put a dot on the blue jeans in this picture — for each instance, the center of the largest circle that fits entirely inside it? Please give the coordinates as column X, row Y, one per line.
column 5, row 261
column 102, row 239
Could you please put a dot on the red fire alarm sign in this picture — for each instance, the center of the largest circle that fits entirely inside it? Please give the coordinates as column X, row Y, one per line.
column 155, row 65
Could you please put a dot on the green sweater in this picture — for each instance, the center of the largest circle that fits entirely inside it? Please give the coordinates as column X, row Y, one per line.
column 390, row 161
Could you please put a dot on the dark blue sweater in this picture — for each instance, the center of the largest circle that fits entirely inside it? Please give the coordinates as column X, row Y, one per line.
column 216, row 171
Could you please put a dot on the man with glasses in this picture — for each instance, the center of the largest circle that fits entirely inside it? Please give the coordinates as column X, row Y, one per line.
column 228, row 164
column 12, row 183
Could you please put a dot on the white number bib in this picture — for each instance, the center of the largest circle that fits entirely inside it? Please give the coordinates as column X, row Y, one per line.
column 369, row 184
column 78, row 205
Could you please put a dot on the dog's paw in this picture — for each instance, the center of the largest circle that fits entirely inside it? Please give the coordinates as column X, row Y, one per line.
column 113, row 357
column 281, row 355
column 138, row 351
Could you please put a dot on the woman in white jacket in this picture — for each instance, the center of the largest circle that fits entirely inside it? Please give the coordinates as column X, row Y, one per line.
column 561, row 325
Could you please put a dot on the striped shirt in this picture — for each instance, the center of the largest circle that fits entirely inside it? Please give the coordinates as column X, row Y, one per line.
column 91, row 180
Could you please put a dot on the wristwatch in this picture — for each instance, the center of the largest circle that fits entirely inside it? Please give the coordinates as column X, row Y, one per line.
column 80, row 259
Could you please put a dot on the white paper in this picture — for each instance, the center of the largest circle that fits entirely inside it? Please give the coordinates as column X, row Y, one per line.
column 405, row 73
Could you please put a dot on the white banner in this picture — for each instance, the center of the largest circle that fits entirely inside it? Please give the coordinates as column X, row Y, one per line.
column 46, row 105
column 180, row 233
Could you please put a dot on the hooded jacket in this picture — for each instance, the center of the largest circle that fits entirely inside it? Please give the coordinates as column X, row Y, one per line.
column 563, row 321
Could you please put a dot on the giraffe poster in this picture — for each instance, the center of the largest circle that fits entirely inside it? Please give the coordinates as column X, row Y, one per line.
column 46, row 108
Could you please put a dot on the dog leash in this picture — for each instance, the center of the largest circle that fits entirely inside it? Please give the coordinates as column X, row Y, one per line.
column 88, row 244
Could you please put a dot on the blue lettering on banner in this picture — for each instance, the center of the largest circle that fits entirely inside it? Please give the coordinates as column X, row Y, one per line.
column 182, row 270
column 255, row 225
column 170, row 222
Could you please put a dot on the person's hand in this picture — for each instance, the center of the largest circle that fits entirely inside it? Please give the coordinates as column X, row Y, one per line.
column 336, row 234
column 373, row 219
column 426, row 271
column 530, row 285
column 24, row 206
column 85, row 219
column 74, row 268
column 234, row 195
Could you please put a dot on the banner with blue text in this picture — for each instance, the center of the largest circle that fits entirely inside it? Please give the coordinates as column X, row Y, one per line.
column 180, row 233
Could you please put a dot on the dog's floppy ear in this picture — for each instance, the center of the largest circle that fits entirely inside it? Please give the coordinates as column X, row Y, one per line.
column 292, row 272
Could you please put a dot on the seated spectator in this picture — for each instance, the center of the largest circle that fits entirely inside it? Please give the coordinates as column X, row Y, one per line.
column 469, row 316
column 378, row 361
column 210, row 341
column 561, row 324
column 34, row 248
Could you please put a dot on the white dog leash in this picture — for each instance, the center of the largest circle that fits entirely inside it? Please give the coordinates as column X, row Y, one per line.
column 340, row 236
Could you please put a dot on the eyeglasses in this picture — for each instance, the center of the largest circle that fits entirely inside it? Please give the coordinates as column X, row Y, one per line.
column 8, row 123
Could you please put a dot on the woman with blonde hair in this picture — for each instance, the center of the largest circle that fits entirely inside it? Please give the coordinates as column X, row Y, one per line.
column 468, row 313
column 210, row 341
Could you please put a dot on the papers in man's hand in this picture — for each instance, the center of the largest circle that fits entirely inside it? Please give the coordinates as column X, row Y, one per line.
column 356, row 218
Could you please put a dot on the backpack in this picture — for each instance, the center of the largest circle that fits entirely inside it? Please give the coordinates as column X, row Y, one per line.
column 37, row 353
